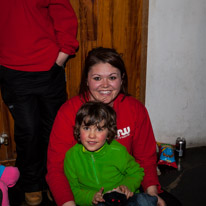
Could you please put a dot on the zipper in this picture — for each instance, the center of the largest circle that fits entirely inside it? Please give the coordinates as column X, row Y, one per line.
column 93, row 164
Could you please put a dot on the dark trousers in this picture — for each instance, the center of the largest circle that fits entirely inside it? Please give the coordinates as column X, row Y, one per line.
column 169, row 199
column 33, row 99
column 142, row 199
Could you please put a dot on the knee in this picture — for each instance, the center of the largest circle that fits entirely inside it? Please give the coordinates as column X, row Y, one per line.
column 145, row 199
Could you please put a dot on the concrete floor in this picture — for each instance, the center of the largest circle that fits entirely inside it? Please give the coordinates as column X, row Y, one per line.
column 186, row 183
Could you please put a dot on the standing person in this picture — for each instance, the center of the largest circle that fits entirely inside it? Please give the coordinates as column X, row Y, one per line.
column 99, row 164
column 36, row 38
column 104, row 79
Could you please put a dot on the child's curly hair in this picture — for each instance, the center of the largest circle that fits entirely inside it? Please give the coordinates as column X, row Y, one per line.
column 92, row 113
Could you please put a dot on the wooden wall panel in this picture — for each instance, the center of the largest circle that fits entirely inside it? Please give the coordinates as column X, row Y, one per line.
column 7, row 152
column 117, row 24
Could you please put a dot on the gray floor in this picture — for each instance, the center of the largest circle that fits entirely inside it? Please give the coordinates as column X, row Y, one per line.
column 187, row 183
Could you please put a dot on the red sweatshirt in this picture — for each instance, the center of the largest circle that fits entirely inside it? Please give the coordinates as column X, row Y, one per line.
column 32, row 32
column 134, row 132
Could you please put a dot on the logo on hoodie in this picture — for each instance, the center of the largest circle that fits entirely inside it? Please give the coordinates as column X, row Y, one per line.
column 123, row 133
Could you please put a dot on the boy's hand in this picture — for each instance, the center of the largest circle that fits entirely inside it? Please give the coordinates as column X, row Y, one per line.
column 98, row 197
column 124, row 189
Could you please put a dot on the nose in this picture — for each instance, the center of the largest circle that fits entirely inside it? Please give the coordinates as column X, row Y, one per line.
column 92, row 134
column 105, row 82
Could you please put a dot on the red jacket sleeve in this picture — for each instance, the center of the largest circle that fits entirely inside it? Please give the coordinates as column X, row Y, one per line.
column 61, row 140
column 65, row 25
column 144, row 148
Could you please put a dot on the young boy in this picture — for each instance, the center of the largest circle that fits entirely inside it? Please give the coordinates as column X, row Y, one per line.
column 98, row 164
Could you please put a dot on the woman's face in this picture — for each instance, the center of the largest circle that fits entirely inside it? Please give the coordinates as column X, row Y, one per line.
column 104, row 82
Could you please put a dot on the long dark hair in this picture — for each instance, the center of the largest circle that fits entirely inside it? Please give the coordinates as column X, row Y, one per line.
column 93, row 113
column 103, row 55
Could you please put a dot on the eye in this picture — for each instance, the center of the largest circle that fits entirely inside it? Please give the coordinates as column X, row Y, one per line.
column 85, row 128
column 112, row 77
column 97, row 78
column 100, row 129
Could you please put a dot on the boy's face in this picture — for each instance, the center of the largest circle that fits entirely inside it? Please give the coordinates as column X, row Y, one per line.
column 93, row 137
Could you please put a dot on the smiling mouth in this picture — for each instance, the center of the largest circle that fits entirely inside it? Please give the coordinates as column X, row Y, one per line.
column 91, row 143
column 104, row 92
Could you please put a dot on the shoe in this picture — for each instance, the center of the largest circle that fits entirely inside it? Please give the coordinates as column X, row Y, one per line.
column 33, row 198
column 49, row 195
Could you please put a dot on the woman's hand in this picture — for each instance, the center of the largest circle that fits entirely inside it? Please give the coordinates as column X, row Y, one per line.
column 152, row 190
column 124, row 189
column 160, row 201
column 70, row 203
column 98, row 197
column 62, row 57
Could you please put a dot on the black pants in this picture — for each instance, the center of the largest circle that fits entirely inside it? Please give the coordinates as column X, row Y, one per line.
column 33, row 99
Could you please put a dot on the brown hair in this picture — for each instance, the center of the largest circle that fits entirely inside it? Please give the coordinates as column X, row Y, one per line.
column 103, row 55
column 92, row 113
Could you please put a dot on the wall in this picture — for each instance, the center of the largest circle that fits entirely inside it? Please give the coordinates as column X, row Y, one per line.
column 176, row 70
column 121, row 24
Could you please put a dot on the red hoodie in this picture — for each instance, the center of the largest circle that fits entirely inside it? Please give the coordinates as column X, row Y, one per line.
column 134, row 132
column 32, row 32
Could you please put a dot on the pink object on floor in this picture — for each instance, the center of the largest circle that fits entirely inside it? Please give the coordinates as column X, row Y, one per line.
column 8, row 178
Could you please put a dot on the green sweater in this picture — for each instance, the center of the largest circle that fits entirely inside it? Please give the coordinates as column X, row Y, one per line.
column 109, row 167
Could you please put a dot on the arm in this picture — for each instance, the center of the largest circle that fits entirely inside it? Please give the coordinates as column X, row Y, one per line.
column 152, row 190
column 65, row 25
column 133, row 173
column 61, row 139
column 82, row 195
column 144, row 148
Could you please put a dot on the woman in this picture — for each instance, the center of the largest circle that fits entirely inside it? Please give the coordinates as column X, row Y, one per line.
column 104, row 79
